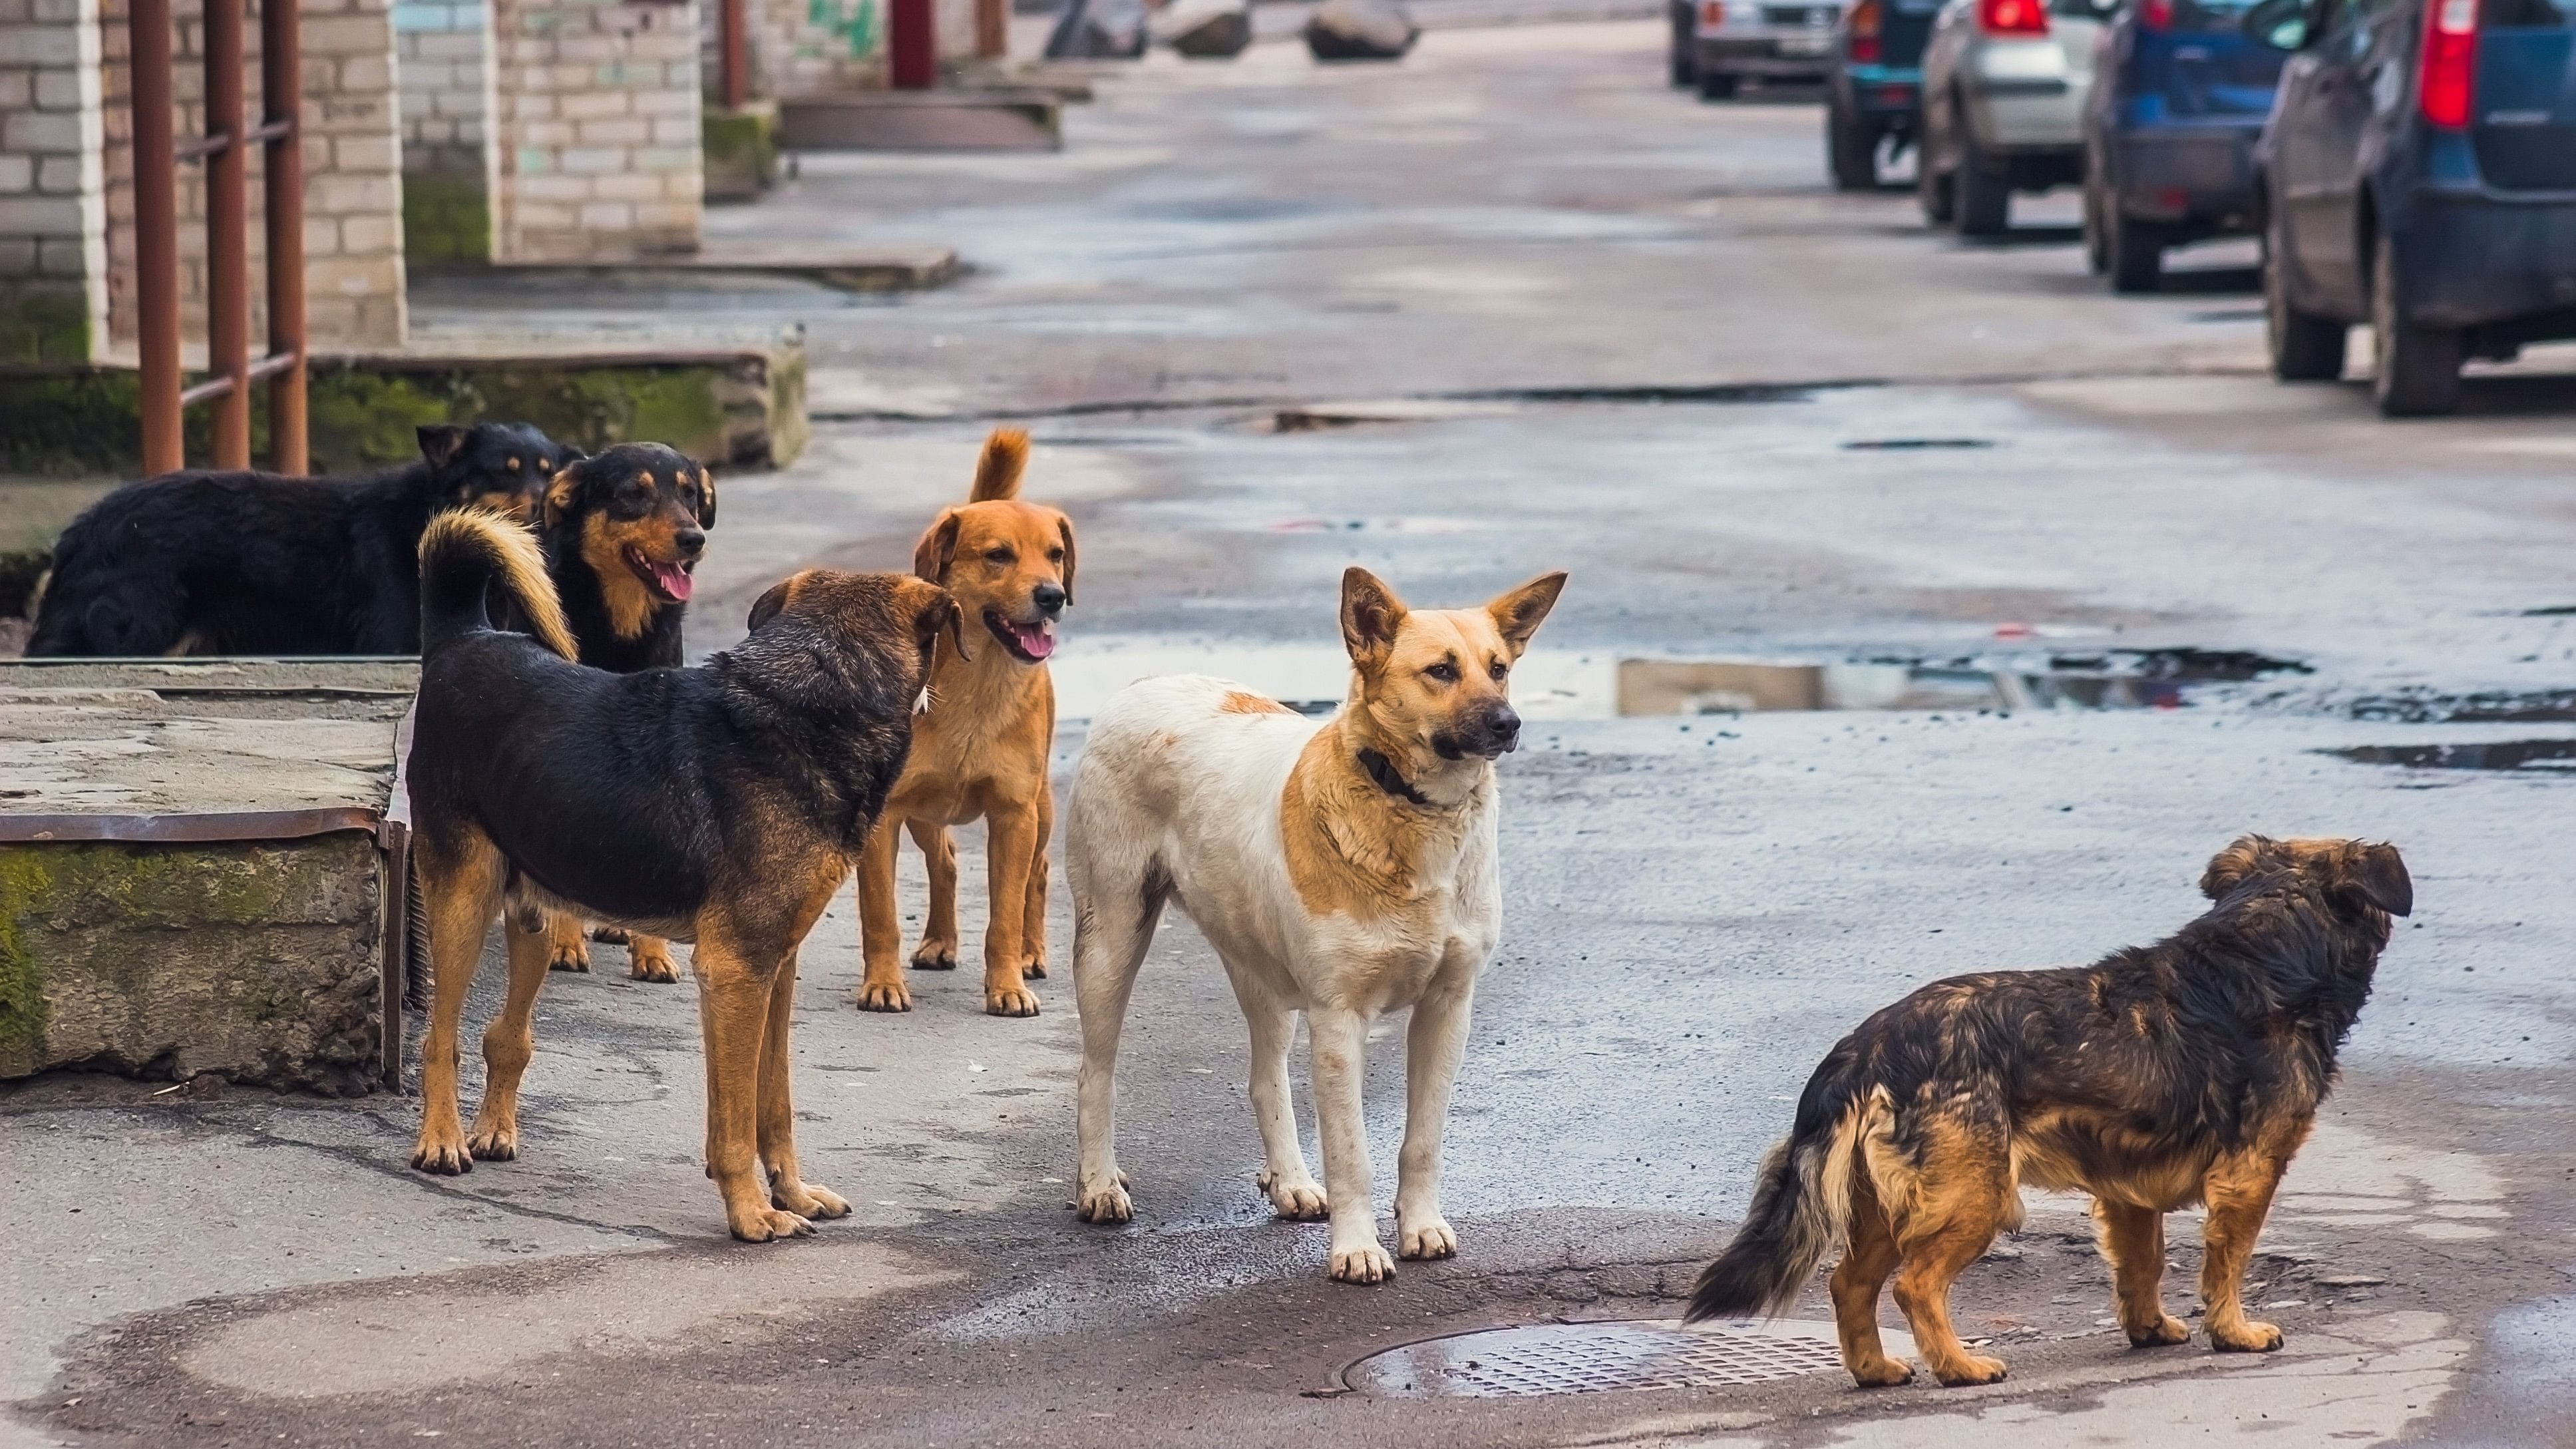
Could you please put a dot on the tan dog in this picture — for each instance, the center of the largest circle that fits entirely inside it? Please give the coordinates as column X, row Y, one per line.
column 981, row 750
column 1345, row 871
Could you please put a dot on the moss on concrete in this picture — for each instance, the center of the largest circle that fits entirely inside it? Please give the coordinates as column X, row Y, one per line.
column 741, row 151
column 22, row 981
column 447, row 219
column 359, row 420
column 42, row 323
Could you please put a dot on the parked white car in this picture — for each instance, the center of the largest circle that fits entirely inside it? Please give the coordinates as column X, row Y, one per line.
column 2004, row 88
column 1719, row 43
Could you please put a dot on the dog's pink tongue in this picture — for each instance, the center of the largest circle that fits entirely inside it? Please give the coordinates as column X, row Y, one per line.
column 674, row 580
column 1037, row 639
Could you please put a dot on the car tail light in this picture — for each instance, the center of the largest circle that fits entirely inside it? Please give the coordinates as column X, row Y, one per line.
column 2156, row 15
column 1864, row 32
column 1712, row 14
column 2450, row 76
column 2012, row 17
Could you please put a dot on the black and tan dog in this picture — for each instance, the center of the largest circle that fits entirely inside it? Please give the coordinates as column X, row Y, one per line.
column 2184, row 1072
column 722, row 805
column 623, row 533
column 256, row 563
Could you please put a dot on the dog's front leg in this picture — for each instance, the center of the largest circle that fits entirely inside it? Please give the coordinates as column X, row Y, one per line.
column 735, row 1003
column 787, row 1186
column 567, row 944
column 1011, row 841
column 1434, row 1045
column 938, row 948
column 881, row 986
column 2238, row 1191
column 460, row 895
column 1033, row 925
column 1340, row 1038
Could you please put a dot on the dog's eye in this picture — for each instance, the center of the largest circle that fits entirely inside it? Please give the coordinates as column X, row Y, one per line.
column 1055, row 555
column 1444, row 671
column 998, row 555
column 1500, row 669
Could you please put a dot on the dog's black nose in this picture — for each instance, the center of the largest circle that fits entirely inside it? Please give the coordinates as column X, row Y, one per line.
column 1048, row 598
column 1500, row 728
column 689, row 541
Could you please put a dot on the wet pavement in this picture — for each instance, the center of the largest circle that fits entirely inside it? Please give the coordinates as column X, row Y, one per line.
column 1509, row 307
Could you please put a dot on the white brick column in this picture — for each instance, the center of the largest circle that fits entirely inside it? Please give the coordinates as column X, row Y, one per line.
column 53, row 192
column 597, row 117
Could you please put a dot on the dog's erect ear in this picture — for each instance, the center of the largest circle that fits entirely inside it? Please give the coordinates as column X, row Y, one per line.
column 2375, row 874
column 1519, row 613
column 706, row 499
column 1371, row 613
column 1064, row 530
column 563, row 492
column 770, row 604
column 938, row 547
column 2230, row 867
column 440, row 443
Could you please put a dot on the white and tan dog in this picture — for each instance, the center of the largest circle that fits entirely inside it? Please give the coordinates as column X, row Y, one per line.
column 1344, row 871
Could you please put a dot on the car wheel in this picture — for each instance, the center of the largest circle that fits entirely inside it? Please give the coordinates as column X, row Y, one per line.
column 1716, row 85
column 1932, row 189
column 2304, row 346
column 2136, row 252
column 1851, row 151
column 1984, row 194
column 2417, row 371
column 2097, row 249
column 1684, row 65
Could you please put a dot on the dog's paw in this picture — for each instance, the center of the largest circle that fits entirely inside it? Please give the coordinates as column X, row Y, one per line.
column 1367, row 1263
column 494, row 1144
column 2162, row 1335
column 1033, row 969
column 651, row 963
column 443, row 1154
column 766, row 1225
column 1430, row 1238
column 1886, row 1373
column 1299, row 1200
column 808, row 1201
column 1105, row 1204
column 609, row 935
column 1010, row 1001
column 2244, row 1336
column 935, row 956
column 884, row 996
column 1971, row 1370
column 569, row 955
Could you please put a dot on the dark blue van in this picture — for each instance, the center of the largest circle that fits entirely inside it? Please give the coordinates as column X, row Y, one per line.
column 2180, row 93
column 1874, row 88
column 2419, row 174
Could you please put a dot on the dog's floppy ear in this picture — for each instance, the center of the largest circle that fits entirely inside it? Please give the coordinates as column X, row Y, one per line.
column 1519, row 613
column 941, row 613
column 1064, row 530
column 938, row 547
column 440, row 443
column 2377, row 875
column 706, row 498
column 2231, row 867
column 1371, row 613
column 563, row 492
column 770, row 604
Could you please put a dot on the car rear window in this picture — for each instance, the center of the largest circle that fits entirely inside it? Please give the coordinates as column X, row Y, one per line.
column 2200, row 17
column 2529, row 14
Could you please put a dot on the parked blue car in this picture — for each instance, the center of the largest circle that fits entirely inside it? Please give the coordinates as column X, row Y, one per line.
column 2180, row 93
column 1874, row 89
column 2419, row 174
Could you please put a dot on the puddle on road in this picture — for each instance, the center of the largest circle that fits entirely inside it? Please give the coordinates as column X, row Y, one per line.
column 1912, row 445
column 1605, row 684
column 2532, row 756
column 2547, row 706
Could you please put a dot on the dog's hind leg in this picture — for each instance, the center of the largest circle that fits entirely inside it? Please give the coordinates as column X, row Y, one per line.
column 511, row 1039
column 881, row 984
column 567, row 944
column 736, row 1001
column 1033, row 922
column 1340, row 1039
column 459, row 889
column 1293, row 1191
column 788, row 1189
column 1011, row 842
column 1869, row 1255
column 2133, row 1240
column 1115, row 908
column 2238, row 1191
column 1961, row 1197
column 1435, row 1044
column 938, row 948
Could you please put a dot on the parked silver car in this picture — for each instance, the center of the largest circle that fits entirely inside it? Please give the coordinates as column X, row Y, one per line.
column 1718, row 43
column 2004, row 89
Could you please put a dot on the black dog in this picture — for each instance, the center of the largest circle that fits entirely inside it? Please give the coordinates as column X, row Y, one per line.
column 256, row 563
column 723, row 804
column 2184, row 1072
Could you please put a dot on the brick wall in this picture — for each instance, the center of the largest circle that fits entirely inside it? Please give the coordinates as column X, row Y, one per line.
column 449, row 166
column 597, row 130
column 807, row 47
column 53, row 213
column 352, row 181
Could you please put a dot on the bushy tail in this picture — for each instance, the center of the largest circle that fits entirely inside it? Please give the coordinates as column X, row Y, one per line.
column 997, row 473
column 1801, row 1204
column 462, row 554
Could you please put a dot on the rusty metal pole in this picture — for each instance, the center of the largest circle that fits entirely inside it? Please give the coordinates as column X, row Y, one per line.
column 281, row 59
column 734, row 40
column 156, row 233
column 227, row 232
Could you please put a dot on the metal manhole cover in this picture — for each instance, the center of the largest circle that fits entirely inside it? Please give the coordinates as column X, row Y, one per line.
column 1592, row 1358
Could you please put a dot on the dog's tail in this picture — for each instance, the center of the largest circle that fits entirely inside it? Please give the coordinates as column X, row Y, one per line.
column 1801, row 1203
column 997, row 473
column 462, row 555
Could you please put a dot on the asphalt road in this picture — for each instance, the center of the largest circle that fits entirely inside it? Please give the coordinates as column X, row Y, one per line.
column 1603, row 327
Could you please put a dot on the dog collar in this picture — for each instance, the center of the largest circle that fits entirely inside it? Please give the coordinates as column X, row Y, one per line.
column 1382, row 770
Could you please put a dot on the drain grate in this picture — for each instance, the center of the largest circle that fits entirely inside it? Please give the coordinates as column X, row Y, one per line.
column 1592, row 1358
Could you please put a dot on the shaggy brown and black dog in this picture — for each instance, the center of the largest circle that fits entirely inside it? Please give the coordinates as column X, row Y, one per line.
column 2166, row 1075
column 722, row 805
column 256, row 563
